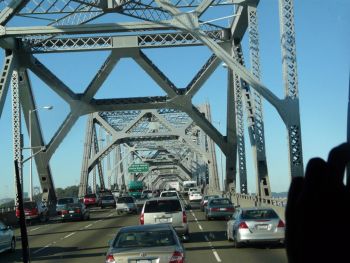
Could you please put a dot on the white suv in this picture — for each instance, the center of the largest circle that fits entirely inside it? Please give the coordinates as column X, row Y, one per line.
column 169, row 194
column 166, row 210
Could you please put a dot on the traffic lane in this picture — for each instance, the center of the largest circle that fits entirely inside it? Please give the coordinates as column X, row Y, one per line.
column 214, row 231
column 89, row 245
column 198, row 248
column 40, row 235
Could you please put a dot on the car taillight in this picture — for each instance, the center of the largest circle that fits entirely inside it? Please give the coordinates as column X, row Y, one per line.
column 34, row 211
column 231, row 209
column 142, row 219
column 17, row 212
column 243, row 225
column 110, row 259
column 184, row 217
column 64, row 212
column 77, row 210
column 177, row 257
column 280, row 224
column 214, row 209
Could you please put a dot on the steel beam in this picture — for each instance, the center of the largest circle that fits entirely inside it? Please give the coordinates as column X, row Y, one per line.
column 37, row 140
column 5, row 77
column 11, row 10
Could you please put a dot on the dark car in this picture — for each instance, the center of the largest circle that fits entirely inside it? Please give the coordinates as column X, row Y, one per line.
column 61, row 202
column 107, row 201
column 75, row 211
column 219, row 208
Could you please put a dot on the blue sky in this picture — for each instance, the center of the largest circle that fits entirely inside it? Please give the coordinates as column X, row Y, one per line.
column 323, row 56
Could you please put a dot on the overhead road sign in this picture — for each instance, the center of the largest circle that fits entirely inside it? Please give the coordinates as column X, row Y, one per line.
column 138, row 168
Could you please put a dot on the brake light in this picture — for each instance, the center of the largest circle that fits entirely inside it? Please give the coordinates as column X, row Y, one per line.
column 214, row 209
column 280, row 224
column 142, row 219
column 77, row 210
column 110, row 259
column 34, row 211
column 184, row 217
column 231, row 209
column 17, row 212
column 177, row 257
column 64, row 212
column 243, row 225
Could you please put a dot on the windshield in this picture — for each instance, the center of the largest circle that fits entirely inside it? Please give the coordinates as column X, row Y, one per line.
column 125, row 200
column 145, row 239
column 64, row 201
column 156, row 206
column 259, row 214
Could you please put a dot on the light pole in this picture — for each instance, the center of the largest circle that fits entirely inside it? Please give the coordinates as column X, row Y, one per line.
column 31, row 148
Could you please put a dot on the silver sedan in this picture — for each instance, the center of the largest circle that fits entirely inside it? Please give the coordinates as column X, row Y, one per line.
column 7, row 238
column 255, row 225
column 157, row 243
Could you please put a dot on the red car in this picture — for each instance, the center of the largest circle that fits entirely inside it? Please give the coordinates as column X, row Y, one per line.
column 91, row 200
column 34, row 211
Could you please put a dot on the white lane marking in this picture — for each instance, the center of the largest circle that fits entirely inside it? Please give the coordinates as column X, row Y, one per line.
column 110, row 214
column 218, row 259
column 88, row 226
column 71, row 234
column 40, row 249
column 200, row 227
column 34, row 229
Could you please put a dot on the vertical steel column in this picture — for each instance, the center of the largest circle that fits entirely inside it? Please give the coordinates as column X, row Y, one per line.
column 262, row 179
column 84, row 176
column 99, row 165
column 16, row 126
column 242, row 167
column 121, row 167
column 109, row 172
column 290, row 78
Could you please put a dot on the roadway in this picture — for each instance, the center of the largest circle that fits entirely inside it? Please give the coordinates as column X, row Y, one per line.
column 87, row 241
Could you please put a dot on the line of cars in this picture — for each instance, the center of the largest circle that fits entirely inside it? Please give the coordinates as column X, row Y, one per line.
column 245, row 225
column 162, row 226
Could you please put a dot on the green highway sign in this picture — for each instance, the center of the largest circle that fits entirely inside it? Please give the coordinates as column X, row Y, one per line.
column 138, row 168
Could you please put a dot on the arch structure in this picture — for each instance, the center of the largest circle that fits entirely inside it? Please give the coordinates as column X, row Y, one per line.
column 167, row 140
column 29, row 28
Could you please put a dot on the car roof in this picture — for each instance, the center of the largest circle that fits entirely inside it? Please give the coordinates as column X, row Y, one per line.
column 255, row 208
column 147, row 227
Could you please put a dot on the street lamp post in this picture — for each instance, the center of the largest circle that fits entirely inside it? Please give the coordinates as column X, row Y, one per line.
column 31, row 148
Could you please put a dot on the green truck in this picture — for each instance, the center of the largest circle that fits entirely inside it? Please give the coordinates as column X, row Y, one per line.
column 135, row 188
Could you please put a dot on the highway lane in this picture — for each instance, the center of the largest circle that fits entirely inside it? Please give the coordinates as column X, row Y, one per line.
column 86, row 241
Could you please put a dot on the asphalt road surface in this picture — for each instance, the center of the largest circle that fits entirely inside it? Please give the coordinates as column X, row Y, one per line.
column 87, row 241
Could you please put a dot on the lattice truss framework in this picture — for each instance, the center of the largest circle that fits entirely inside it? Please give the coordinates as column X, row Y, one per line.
column 90, row 25
column 167, row 139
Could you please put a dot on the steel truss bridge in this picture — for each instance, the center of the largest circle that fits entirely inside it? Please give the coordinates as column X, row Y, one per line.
column 32, row 27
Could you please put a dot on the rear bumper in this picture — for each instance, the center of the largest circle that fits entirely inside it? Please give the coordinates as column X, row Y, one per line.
column 244, row 235
column 220, row 214
column 181, row 230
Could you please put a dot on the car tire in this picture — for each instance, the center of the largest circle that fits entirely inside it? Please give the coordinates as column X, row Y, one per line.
column 228, row 236
column 13, row 245
column 236, row 244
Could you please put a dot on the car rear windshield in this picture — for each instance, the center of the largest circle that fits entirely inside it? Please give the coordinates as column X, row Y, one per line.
column 217, row 201
column 29, row 205
column 125, row 200
column 168, row 194
column 90, row 196
column 145, row 239
column 73, row 206
column 107, row 197
column 155, row 206
column 259, row 214
column 64, row 201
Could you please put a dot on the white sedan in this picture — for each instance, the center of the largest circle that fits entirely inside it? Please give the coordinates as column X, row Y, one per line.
column 7, row 238
column 195, row 197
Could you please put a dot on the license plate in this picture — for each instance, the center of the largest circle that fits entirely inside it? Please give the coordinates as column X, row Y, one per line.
column 163, row 220
column 71, row 212
column 262, row 227
column 222, row 209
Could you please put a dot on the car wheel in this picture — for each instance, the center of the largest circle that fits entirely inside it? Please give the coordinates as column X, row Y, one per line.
column 13, row 244
column 236, row 244
column 228, row 236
